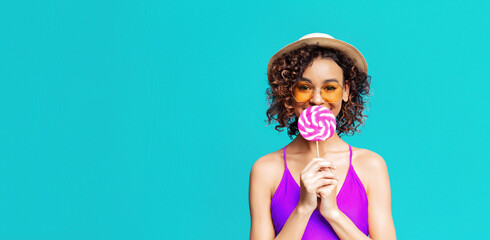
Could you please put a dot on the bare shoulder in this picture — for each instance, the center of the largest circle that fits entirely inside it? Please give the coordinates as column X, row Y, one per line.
column 369, row 158
column 262, row 177
column 267, row 168
column 369, row 166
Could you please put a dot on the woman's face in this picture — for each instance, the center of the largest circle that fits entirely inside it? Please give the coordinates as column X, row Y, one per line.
column 316, row 73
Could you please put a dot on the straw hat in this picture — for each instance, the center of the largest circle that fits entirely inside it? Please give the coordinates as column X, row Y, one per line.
column 323, row 40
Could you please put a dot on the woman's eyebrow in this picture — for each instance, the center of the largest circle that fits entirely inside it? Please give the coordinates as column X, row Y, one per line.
column 324, row 81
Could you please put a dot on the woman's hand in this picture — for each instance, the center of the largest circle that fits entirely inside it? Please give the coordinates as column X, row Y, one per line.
column 327, row 203
column 311, row 179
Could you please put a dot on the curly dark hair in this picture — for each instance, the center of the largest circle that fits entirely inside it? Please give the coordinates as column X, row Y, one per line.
column 288, row 68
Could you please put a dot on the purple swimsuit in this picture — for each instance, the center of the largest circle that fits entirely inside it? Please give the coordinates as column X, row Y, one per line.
column 351, row 200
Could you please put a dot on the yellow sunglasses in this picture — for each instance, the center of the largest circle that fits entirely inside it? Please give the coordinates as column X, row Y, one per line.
column 302, row 91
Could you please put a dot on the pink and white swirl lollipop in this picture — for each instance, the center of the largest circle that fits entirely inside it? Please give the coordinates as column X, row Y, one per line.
column 317, row 123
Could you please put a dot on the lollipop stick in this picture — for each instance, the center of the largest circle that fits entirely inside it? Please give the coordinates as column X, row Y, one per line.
column 317, row 152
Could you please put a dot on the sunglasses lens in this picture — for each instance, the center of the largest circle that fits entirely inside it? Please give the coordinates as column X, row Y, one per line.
column 331, row 92
column 303, row 91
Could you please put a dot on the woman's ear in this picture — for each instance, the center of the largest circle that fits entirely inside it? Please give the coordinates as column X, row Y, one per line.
column 345, row 96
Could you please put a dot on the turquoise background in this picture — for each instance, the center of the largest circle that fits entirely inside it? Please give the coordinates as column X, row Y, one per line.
column 142, row 119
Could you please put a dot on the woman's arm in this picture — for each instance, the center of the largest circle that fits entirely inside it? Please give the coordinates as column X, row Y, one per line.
column 381, row 224
column 262, row 227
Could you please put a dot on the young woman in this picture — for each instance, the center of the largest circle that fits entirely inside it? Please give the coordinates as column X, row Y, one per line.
column 344, row 194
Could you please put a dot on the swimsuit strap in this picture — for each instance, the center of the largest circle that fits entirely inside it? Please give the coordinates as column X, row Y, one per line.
column 285, row 164
column 350, row 149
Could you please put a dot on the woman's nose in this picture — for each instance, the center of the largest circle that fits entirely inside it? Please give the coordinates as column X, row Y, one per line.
column 317, row 97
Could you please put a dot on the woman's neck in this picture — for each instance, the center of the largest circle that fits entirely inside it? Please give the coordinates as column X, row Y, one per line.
column 331, row 145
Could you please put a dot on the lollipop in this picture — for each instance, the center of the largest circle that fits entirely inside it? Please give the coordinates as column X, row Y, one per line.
column 317, row 123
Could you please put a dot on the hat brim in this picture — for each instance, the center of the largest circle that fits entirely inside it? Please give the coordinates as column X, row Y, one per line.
column 348, row 49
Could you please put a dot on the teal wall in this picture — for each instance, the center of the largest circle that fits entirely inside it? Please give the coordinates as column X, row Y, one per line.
column 142, row 119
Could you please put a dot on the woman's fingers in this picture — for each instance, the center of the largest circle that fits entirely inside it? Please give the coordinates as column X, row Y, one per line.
column 322, row 182
column 323, row 174
column 326, row 190
column 311, row 173
column 323, row 178
column 316, row 174
column 316, row 164
column 311, row 183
